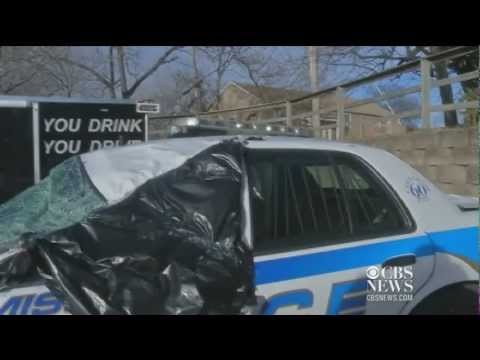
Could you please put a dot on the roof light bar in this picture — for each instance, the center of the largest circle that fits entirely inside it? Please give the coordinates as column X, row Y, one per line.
column 267, row 129
column 192, row 122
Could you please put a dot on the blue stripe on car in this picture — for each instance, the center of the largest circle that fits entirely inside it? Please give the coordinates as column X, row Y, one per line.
column 458, row 242
column 453, row 242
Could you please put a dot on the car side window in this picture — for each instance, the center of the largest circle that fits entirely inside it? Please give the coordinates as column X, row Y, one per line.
column 373, row 211
column 316, row 198
column 297, row 200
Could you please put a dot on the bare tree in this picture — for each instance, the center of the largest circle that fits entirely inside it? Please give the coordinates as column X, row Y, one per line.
column 34, row 70
column 221, row 58
column 197, row 104
column 165, row 58
column 15, row 72
column 179, row 96
column 98, row 65
column 207, row 82
column 313, row 71
column 104, row 66
column 259, row 64
column 62, row 78
column 206, row 70
column 204, row 75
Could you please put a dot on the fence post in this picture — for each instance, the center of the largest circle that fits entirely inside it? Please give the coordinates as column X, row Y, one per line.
column 236, row 116
column 316, row 117
column 425, row 68
column 340, row 113
column 288, row 111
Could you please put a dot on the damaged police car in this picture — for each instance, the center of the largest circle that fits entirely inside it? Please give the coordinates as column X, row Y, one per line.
column 334, row 228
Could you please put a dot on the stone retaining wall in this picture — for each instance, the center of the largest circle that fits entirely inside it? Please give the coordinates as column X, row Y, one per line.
column 448, row 157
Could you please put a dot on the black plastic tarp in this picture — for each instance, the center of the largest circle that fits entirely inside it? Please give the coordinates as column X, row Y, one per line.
column 174, row 246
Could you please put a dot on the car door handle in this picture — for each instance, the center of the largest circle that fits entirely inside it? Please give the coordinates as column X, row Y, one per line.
column 402, row 260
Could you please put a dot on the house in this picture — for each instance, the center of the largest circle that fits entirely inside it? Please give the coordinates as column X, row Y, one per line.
column 362, row 121
column 239, row 95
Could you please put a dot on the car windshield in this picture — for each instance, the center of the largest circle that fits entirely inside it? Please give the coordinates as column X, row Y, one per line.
column 63, row 198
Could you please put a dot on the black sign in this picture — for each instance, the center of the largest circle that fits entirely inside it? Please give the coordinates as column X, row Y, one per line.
column 16, row 151
column 71, row 129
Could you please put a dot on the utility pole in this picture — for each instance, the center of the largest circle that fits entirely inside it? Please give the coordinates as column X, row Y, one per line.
column 123, row 73
column 196, row 79
column 313, row 66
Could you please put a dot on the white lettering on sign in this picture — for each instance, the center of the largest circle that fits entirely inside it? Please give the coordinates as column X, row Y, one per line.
column 115, row 125
column 94, row 125
column 136, row 125
column 48, row 146
column 107, row 125
column 98, row 144
column 48, row 124
column 108, row 143
column 62, row 125
column 123, row 126
column 62, row 146
column 95, row 145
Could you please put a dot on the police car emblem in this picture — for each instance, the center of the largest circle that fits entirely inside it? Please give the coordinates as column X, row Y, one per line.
column 418, row 189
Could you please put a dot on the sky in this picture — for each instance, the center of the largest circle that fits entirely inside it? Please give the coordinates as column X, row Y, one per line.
column 334, row 76
column 164, row 74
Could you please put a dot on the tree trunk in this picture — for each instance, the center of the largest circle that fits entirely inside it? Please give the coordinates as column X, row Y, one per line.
column 313, row 67
column 123, row 73
column 196, row 86
column 112, row 74
column 466, row 64
column 446, row 92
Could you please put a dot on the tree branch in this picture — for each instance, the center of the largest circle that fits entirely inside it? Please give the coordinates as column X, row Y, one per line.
column 88, row 69
column 219, row 69
column 17, row 85
column 161, row 61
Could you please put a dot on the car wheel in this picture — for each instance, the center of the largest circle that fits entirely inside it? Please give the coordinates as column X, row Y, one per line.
column 458, row 299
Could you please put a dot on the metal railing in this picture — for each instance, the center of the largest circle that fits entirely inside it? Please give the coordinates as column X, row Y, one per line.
column 329, row 121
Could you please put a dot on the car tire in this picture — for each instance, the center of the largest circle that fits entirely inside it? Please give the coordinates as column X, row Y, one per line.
column 458, row 299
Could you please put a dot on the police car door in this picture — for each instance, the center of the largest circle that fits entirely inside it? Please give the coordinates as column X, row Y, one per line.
column 320, row 221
